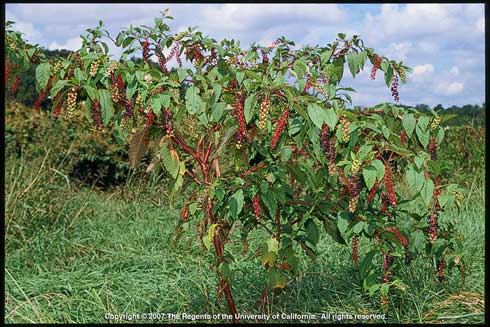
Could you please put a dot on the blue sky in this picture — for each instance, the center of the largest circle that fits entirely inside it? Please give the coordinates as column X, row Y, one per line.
column 443, row 43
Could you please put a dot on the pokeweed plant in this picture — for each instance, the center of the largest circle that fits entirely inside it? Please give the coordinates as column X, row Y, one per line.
column 263, row 139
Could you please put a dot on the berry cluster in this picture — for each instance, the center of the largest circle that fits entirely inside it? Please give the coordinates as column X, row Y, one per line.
column 264, row 111
column 8, row 66
column 129, row 109
column 15, row 85
column 432, row 148
column 192, row 52
column 173, row 51
column 111, row 69
column 274, row 44
column 387, row 262
column 96, row 114
column 139, row 100
column 345, row 129
column 403, row 137
column 256, row 205
column 403, row 240
column 435, row 123
column 432, row 226
column 146, row 50
column 265, row 59
column 356, row 165
column 389, row 184
column 307, row 86
column 377, row 64
column 77, row 59
column 373, row 191
column 161, row 60
column 57, row 105
column 242, row 125
column 441, row 266
column 355, row 249
column 281, row 123
column 94, row 67
column 332, row 154
column 403, row 74
column 71, row 103
column 149, row 118
column 184, row 213
column 459, row 198
column 385, row 202
column 325, row 138
column 167, row 121
column 320, row 89
column 57, row 67
column 354, row 193
column 394, row 88
column 42, row 95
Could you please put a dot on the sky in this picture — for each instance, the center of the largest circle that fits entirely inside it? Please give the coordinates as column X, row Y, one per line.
column 444, row 44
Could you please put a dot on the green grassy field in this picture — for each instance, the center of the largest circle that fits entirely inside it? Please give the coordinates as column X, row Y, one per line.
column 74, row 254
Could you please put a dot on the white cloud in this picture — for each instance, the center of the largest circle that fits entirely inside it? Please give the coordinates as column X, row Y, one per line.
column 455, row 70
column 243, row 17
column 480, row 25
column 423, row 69
column 426, row 37
column 453, row 88
column 70, row 44
column 398, row 51
column 399, row 22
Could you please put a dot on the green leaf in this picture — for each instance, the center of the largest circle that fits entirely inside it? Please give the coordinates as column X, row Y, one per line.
column 415, row 179
column 42, row 75
column 312, row 233
column 79, row 74
column 369, row 173
column 419, row 160
column 182, row 73
column 193, row 101
column 107, row 110
column 439, row 135
column 249, row 106
column 325, row 56
column 427, row 192
column 408, row 122
column 299, row 67
column 417, row 241
column 236, row 203
column 380, row 168
column 423, row 136
column 218, row 110
column 366, row 264
column 91, row 92
column 207, row 239
column 332, row 229
column 388, row 75
column 170, row 160
column 317, row 114
column 276, row 279
column 423, row 123
column 165, row 100
column 331, row 118
column 225, row 271
column 128, row 41
column 353, row 62
column 239, row 77
column 58, row 86
column 156, row 105
column 358, row 227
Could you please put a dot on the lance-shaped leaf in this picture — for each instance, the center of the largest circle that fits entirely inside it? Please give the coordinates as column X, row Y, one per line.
column 138, row 146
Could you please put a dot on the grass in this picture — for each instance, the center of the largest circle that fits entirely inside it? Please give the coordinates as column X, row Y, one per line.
column 75, row 254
